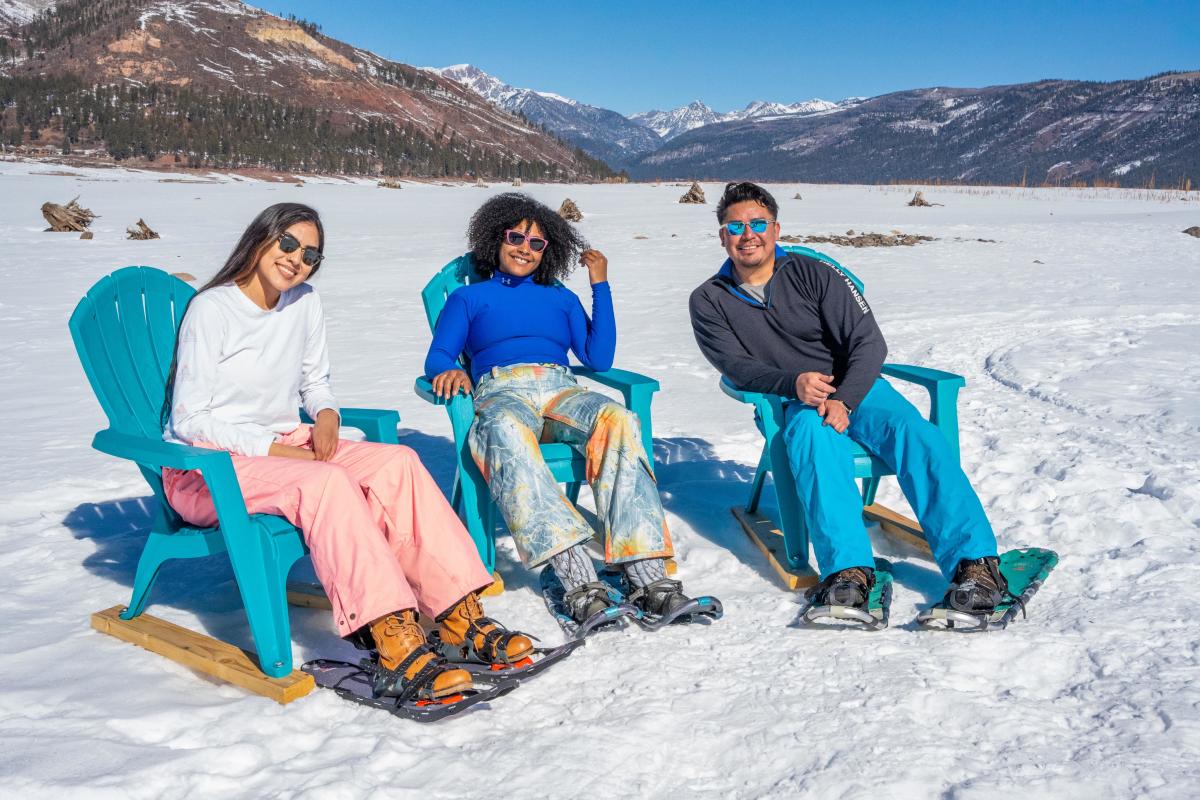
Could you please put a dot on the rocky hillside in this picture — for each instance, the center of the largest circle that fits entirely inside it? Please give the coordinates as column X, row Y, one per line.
column 1134, row 132
column 163, row 50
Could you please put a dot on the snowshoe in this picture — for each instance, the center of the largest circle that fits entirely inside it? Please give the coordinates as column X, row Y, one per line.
column 599, row 605
column 485, row 671
column 356, row 683
column 845, row 600
column 1016, row 576
column 663, row 602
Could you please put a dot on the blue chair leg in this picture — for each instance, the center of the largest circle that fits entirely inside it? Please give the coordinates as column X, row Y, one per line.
column 870, row 486
column 261, row 580
column 476, row 502
column 158, row 550
column 573, row 491
column 760, row 478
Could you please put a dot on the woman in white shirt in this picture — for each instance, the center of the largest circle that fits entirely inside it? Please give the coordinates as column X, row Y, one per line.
column 384, row 541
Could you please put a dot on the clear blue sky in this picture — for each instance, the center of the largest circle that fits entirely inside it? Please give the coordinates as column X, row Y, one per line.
column 631, row 56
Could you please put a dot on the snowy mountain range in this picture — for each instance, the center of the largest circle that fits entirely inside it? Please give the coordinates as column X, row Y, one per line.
column 600, row 132
column 669, row 124
column 608, row 135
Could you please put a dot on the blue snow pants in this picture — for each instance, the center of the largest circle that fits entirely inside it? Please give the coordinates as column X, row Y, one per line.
column 889, row 427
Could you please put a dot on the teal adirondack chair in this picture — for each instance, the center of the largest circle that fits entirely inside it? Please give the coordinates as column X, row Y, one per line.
column 769, row 417
column 471, row 498
column 124, row 332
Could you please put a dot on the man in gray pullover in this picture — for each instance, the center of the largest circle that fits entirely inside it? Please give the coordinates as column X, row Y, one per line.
column 784, row 323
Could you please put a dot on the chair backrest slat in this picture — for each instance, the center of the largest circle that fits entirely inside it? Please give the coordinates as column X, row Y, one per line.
column 124, row 332
column 817, row 254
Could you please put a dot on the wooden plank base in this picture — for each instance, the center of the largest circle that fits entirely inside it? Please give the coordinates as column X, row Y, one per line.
column 308, row 595
column 766, row 534
column 497, row 587
column 203, row 653
column 898, row 527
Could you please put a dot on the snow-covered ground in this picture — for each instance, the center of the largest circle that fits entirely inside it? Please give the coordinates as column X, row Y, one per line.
column 1076, row 331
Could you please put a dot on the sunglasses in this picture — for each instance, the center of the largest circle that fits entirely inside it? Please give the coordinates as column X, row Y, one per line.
column 536, row 243
column 737, row 227
column 311, row 256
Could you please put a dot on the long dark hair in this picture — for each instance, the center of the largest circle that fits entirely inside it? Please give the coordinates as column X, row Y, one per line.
column 262, row 232
column 504, row 211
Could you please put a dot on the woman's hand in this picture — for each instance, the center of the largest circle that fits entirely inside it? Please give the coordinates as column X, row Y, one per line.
column 451, row 382
column 289, row 451
column 325, row 434
column 597, row 265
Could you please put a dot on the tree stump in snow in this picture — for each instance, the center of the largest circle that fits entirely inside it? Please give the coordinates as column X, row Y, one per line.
column 141, row 231
column 71, row 218
column 918, row 199
column 694, row 194
column 569, row 211
column 1193, row 231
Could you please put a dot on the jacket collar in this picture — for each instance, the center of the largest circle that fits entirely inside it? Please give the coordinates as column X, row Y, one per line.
column 504, row 279
column 728, row 278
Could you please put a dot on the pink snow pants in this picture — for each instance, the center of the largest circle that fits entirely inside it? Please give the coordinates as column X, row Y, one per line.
column 381, row 534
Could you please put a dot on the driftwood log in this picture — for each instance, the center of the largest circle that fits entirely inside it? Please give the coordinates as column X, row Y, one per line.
column 141, row 231
column 569, row 211
column 918, row 199
column 694, row 194
column 71, row 218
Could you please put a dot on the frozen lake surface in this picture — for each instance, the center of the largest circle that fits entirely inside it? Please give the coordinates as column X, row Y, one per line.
column 1076, row 330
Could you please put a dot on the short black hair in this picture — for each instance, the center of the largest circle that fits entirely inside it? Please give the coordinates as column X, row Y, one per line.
column 743, row 191
column 505, row 211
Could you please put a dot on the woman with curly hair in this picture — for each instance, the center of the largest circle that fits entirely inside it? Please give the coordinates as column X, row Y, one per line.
column 514, row 331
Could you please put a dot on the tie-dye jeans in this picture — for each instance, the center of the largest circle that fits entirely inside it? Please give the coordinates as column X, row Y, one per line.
column 520, row 405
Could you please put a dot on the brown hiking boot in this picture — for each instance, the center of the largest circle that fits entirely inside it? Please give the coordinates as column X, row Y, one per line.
column 846, row 587
column 468, row 635
column 408, row 668
column 977, row 587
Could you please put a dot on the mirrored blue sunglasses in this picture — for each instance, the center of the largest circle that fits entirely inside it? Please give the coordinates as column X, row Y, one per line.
column 737, row 227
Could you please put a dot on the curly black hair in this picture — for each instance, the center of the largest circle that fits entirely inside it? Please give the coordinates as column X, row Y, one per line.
column 504, row 211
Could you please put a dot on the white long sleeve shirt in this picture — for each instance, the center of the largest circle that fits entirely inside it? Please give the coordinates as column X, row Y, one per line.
column 241, row 371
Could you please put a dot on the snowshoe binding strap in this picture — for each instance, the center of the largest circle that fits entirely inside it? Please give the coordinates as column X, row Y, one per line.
column 495, row 642
column 392, row 682
column 857, row 597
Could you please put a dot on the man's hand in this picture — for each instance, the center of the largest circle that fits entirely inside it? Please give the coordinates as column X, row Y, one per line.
column 597, row 265
column 835, row 413
column 290, row 451
column 812, row 387
column 451, row 382
column 325, row 434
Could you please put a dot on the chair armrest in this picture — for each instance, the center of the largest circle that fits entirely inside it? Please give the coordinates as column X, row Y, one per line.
column 943, row 395
column 460, row 407
column 931, row 379
column 155, row 452
column 215, row 467
column 378, row 424
column 636, row 390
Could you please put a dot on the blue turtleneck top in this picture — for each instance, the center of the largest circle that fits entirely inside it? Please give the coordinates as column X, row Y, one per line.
column 509, row 320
